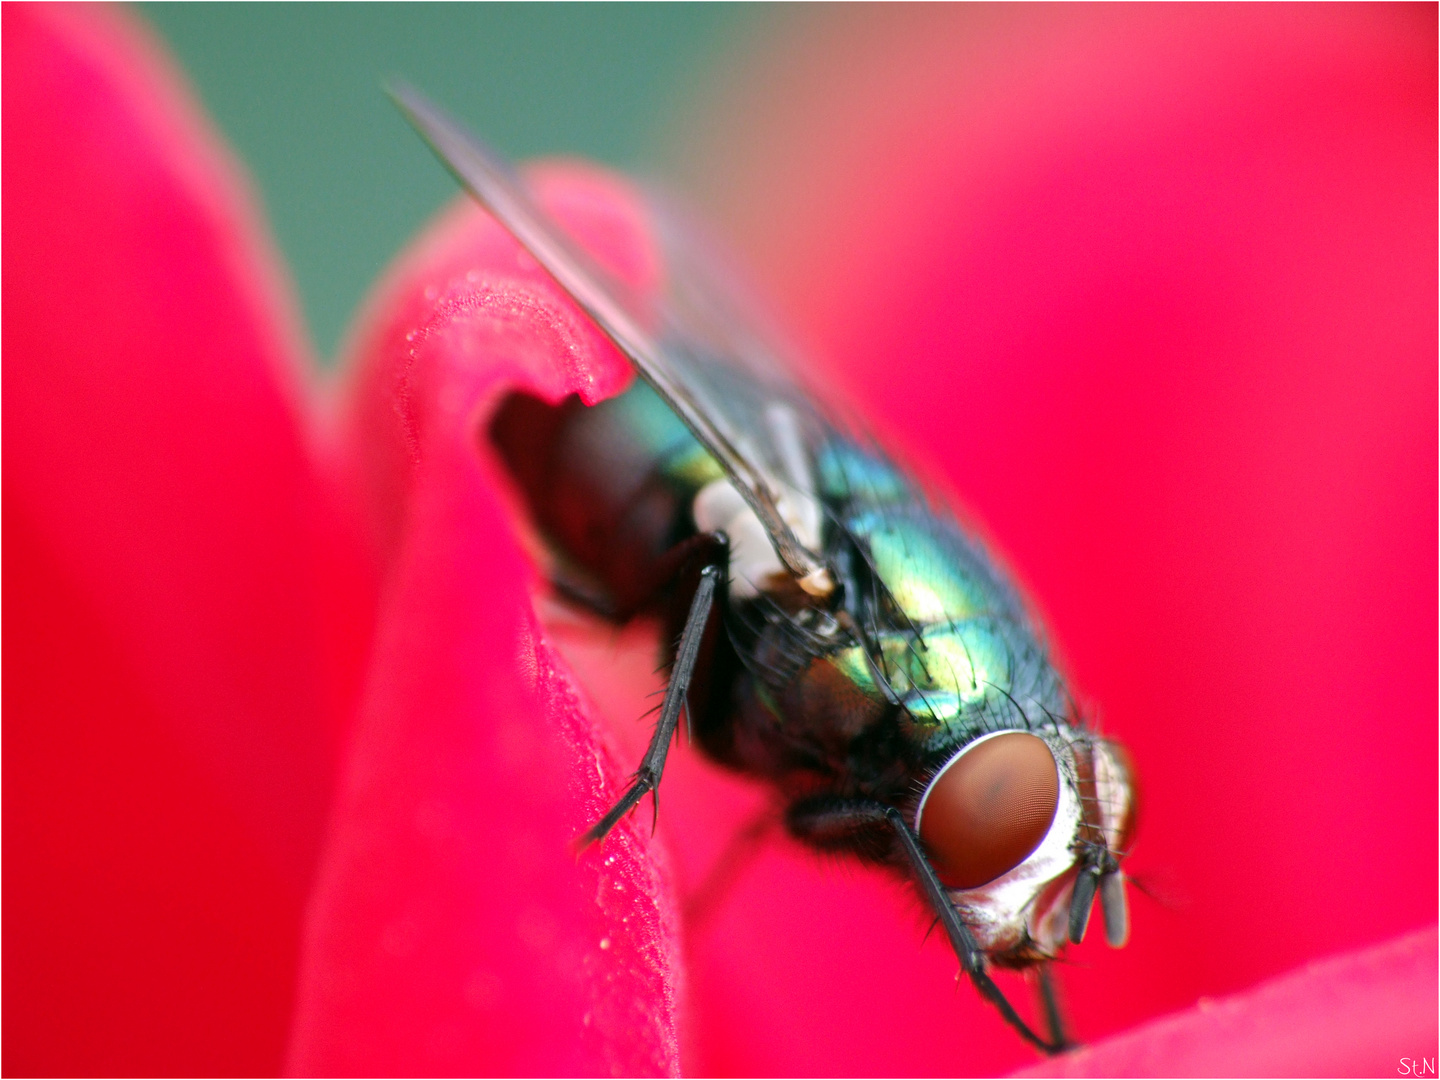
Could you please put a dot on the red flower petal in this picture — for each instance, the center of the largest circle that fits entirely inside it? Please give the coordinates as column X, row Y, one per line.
column 1364, row 1014
column 170, row 702
column 454, row 929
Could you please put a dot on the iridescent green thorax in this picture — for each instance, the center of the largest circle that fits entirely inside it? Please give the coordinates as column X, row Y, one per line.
column 947, row 635
column 959, row 653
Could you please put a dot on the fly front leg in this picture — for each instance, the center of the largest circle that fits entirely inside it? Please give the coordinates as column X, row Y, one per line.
column 687, row 656
column 961, row 940
column 835, row 823
column 1050, row 1006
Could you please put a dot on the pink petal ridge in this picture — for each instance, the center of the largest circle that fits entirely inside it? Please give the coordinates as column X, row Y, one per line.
column 454, row 930
column 1361, row 1014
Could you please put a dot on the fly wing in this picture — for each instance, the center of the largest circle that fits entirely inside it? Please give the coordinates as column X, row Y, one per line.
column 721, row 385
column 737, row 363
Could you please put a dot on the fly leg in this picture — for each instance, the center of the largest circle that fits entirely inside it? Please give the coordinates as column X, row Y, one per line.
column 687, row 655
column 857, row 823
column 1050, row 1005
column 961, row 940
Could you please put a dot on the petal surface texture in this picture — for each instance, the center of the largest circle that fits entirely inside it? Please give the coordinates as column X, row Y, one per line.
column 170, row 700
column 1363, row 1014
column 454, row 930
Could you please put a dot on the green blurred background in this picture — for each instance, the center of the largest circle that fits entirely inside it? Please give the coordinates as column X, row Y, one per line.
column 296, row 88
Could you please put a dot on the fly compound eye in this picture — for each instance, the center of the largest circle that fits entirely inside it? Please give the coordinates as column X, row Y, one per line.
column 989, row 808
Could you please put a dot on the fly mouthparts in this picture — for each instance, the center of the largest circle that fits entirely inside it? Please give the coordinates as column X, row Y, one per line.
column 1114, row 906
column 1081, row 901
column 1116, row 909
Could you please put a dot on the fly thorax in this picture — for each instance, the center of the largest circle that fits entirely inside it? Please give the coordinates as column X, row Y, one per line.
column 754, row 564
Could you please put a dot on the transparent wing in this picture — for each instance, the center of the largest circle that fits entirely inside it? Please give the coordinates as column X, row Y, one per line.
column 722, row 382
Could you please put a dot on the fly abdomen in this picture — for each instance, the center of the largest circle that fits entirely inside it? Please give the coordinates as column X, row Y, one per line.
column 610, row 486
